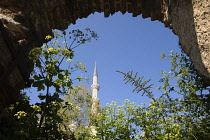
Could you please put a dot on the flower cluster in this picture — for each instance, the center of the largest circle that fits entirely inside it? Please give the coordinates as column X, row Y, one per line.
column 36, row 108
column 20, row 114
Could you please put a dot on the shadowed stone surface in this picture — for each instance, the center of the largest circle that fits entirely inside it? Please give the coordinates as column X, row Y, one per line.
column 25, row 23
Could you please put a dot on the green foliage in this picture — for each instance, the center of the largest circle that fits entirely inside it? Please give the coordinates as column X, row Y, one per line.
column 166, row 117
column 49, row 118
column 77, row 117
column 183, row 72
column 117, row 122
column 138, row 83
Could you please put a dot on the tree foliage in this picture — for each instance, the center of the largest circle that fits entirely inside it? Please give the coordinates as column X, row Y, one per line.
column 180, row 113
column 77, row 119
column 48, row 119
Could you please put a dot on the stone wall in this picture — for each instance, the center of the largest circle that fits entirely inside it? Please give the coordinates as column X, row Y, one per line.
column 27, row 22
column 190, row 20
column 10, row 71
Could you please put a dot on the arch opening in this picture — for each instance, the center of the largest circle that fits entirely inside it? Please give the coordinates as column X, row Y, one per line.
column 27, row 24
column 125, row 43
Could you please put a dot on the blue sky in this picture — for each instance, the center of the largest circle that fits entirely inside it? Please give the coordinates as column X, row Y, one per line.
column 125, row 43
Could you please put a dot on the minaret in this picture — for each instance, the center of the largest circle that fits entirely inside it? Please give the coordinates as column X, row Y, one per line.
column 95, row 100
column 95, row 86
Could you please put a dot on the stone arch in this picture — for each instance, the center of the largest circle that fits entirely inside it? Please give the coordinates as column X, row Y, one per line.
column 25, row 23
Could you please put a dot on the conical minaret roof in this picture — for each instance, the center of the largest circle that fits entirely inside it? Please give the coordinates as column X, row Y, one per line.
column 95, row 71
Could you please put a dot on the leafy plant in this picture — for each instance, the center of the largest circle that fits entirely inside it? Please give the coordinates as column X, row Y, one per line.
column 166, row 117
column 47, row 119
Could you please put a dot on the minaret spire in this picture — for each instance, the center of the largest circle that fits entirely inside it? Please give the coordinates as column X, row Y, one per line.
column 95, row 71
column 95, row 100
column 95, row 86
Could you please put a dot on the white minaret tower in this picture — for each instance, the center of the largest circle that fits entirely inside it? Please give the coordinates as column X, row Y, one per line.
column 95, row 86
column 95, row 100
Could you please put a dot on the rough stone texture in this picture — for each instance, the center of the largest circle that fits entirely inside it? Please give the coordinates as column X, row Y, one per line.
column 11, row 78
column 27, row 22
column 190, row 20
column 201, row 16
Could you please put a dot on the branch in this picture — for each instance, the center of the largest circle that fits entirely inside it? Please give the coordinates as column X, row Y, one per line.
column 138, row 83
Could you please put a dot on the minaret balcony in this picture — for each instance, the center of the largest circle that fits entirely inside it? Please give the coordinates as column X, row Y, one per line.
column 95, row 86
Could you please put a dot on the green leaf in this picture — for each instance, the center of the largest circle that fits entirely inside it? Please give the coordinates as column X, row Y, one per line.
column 60, row 76
column 37, row 77
column 58, row 82
column 36, row 84
column 41, row 97
column 40, row 87
column 79, row 78
column 69, row 84
column 162, row 55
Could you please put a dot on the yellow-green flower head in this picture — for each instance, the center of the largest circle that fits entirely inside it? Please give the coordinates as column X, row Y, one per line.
column 20, row 114
column 70, row 104
column 175, row 125
column 54, row 103
column 138, row 117
column 48, row 37
column 152, row 107
column 120, row 110
column 78, row 108
column 36, row 107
